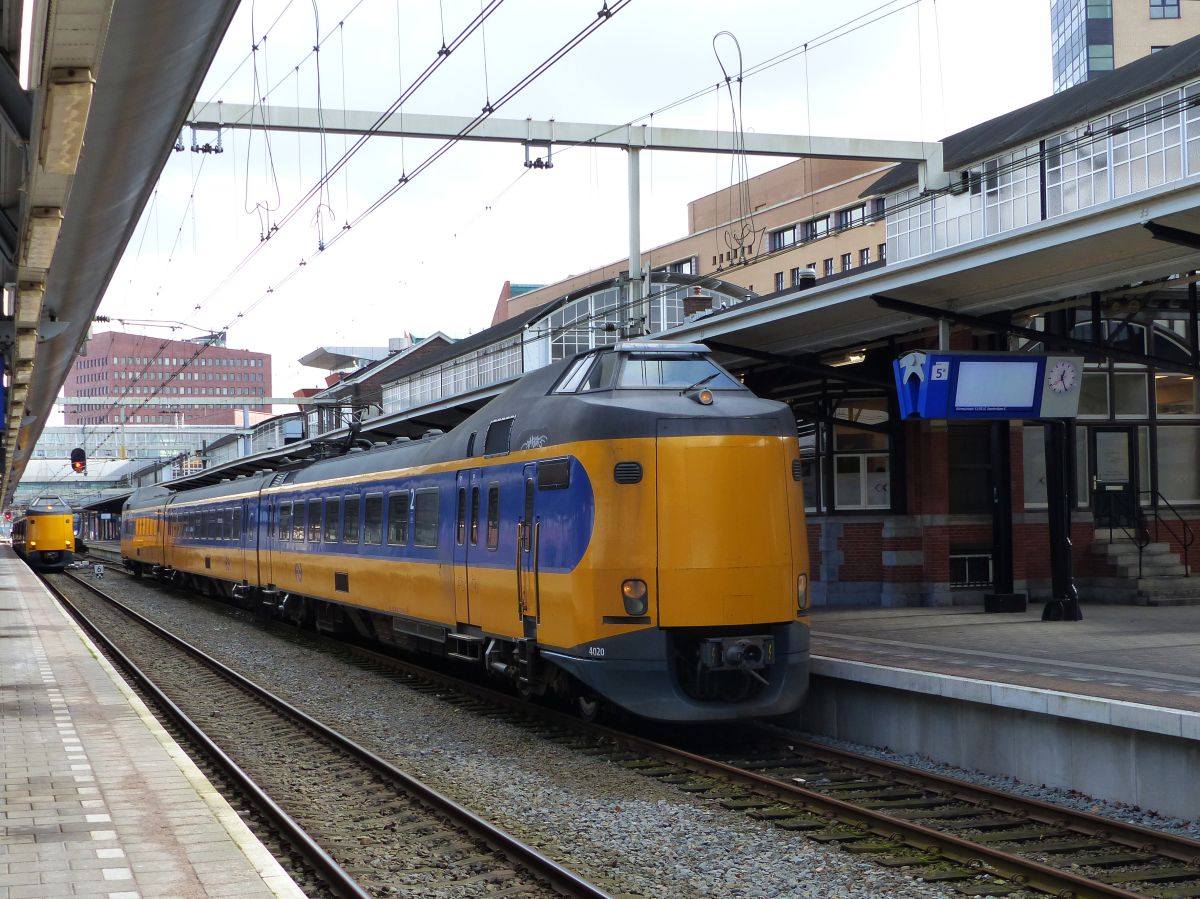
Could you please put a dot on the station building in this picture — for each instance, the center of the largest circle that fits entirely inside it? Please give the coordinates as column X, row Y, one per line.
column 1037, row 240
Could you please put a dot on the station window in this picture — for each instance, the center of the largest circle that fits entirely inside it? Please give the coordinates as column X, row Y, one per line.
column 862, row 477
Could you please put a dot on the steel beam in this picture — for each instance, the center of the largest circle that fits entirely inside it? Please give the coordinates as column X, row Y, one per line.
column 1085, row 347
column 548, row 133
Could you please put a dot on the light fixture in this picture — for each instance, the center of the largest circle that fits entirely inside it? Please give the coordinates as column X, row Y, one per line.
column 23, row 372
column 854, row 357
column 42, row 236
column 19, row 393
column 68, row 99
column 29, row 305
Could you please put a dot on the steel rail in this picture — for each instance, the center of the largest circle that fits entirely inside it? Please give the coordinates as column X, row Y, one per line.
column 561, row 878
column 1135, row 836
column 985, row 859
column 339, row 880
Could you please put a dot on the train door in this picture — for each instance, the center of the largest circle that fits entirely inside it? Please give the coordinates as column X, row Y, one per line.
column 528, row 537
column 466, row 539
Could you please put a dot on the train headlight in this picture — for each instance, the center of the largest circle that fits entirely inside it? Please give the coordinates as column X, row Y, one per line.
column 635, row 596
column 802, row 593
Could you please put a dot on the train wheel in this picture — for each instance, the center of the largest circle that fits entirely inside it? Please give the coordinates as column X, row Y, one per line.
column 588, row 706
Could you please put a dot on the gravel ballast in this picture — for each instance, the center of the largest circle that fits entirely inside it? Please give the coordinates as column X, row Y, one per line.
column 629, row 833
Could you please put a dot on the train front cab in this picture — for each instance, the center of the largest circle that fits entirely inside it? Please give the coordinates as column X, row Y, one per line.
column 45, row 536
column 709, row 514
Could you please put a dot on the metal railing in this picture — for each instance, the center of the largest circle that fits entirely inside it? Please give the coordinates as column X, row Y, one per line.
column 1178, row 529
column 1126, row 517
column 1134, row 523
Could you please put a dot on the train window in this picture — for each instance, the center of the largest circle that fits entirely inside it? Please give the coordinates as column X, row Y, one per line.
column 499, row 433
column 554, row 474
column 644, row 370
column 475, row 515
column 601, row 375
column 460, row 529
column 314, row 521
column 493, row 516
column 298, row 520
column 575, row 372
column 350, row 524
column 471, row 445
column 373, row 519
column 425, row 518
column 333, row 511
column 236, row 521
column 397, row 533
column 285, row 521
column 218, row 524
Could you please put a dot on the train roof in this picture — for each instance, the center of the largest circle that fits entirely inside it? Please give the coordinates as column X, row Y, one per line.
column 43, row 505
column 541, row 417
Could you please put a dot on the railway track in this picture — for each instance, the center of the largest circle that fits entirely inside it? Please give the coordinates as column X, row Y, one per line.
column 973, row 839
column 368, row 828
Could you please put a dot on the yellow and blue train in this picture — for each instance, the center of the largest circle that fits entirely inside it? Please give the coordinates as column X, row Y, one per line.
column 44, row 534
column 623, row 527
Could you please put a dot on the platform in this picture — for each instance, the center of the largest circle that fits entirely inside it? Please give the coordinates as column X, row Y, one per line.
column 97, row 799
column 1109, row 705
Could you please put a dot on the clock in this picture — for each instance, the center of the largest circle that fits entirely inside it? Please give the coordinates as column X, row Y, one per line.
column 1062, row 377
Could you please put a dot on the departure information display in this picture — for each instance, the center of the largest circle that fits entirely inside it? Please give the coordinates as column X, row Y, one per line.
column 988, row 385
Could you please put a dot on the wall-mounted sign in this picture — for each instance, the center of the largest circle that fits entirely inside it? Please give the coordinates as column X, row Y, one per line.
column 988, row 385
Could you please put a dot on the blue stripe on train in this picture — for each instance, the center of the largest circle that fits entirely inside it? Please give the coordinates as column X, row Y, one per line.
column 567, row 518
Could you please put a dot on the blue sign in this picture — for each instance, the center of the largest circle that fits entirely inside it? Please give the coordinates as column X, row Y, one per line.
column 988, row 385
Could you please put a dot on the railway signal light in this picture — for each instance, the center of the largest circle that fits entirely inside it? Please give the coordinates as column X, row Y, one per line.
column 8, row 514
column 78, row 461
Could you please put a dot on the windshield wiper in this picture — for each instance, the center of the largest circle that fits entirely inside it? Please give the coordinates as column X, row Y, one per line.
column 699, row 383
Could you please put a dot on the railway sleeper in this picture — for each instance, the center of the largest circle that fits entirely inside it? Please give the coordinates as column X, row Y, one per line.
column 917, row 813
column 1108, row 859
column 988, row 888
column 801, row 824
column 1182, row 893
column 947, row 874
column 1016, row 836
column 1149, row 875
column 981, row 823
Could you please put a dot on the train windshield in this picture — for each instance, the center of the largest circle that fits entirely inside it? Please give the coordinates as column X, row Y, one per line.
column 673, row 372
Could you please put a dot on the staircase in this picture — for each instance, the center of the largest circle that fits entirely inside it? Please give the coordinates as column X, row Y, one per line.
column 1163, row 581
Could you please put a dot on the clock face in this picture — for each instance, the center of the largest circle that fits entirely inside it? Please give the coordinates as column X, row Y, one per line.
column 1062, row 377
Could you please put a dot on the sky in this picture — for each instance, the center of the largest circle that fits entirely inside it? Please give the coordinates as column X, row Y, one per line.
column 435, row 255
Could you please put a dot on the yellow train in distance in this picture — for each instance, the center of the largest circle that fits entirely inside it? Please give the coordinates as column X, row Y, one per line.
column 44, row 534
column 623, row 527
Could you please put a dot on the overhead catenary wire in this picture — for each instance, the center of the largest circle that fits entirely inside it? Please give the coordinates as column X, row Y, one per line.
column 602, row 16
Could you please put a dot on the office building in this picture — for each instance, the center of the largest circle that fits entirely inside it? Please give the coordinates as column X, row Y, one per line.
column 138, row 379
column 1090, row 37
